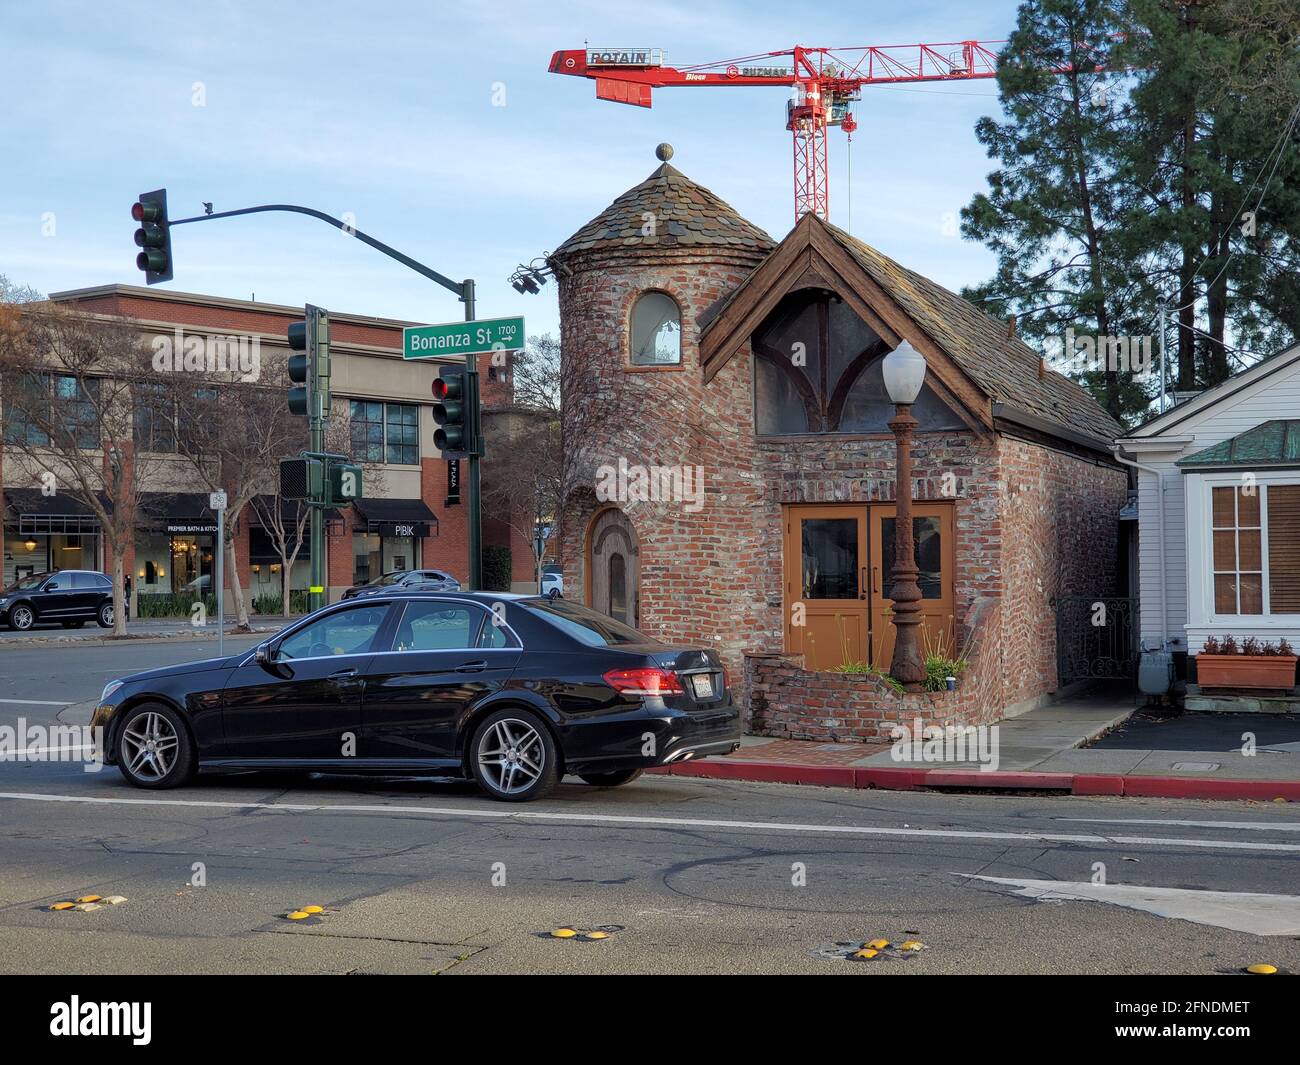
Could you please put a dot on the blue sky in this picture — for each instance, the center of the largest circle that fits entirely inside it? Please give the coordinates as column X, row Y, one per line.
column 386, row 111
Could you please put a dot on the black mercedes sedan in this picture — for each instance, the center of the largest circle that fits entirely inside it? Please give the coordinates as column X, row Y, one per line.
column 512, row 691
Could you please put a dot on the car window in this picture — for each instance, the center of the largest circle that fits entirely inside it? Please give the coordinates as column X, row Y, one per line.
column 387, row 579
column 101, row 580
column 590, row 627
column 85, row 580
column 28, row 583
column 349, row 632
column 438, row 627
column 493, row 635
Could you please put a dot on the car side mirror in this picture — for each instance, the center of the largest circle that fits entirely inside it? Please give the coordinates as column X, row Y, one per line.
column 52, row 586
column 264, row 653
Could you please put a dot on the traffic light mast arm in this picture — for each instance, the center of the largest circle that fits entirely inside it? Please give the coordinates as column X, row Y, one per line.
column 464, row 290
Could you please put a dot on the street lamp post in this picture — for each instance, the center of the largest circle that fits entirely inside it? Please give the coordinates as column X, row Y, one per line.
column 904, row 373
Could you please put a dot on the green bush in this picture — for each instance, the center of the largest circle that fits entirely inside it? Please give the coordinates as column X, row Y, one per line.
column 273, row 602
column 938, row 668
column 171, row 605
column 497, row 566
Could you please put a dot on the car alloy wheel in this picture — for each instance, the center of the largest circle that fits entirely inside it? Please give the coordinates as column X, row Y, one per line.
column 150, row 747
column 511, row 755
column 106, row 616
column 22, row 618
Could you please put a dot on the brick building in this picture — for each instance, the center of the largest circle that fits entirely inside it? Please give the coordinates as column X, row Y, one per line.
column 383, row 404
column 730, row 475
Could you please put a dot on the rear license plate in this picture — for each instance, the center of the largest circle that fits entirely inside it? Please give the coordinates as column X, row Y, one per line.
column 702, row 685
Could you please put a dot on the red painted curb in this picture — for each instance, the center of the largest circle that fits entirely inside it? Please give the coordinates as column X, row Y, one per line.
column 966, row 778
column 1209, row 788
column 826, row 776
column 907, row 779
column 1097, row 784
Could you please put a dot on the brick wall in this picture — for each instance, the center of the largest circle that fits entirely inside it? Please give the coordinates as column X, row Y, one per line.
column 1032, row 522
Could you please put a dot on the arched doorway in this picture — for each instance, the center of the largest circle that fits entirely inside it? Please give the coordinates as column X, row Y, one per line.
column 613, row 567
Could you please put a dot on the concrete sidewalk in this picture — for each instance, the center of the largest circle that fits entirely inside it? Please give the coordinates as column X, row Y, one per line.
column 141, row 629
column 1048, row 749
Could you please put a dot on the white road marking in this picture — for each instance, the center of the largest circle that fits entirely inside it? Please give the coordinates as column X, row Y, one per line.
column 35, row 702
column 1240, row 911
column 666, row 822
column 1252, row 826
column 30, row 752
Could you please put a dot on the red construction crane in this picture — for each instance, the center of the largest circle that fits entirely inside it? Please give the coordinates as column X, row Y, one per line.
column 822, row 82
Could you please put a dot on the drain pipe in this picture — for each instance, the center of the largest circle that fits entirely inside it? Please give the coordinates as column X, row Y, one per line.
column 1160, row 523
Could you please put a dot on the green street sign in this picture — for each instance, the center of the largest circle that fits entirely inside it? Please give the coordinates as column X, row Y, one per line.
column 462, row 338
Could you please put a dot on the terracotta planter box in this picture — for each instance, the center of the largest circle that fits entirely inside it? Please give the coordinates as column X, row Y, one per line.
column 1245, row 671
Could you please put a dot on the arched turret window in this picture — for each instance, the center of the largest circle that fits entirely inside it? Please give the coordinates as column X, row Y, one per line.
column 656, row 331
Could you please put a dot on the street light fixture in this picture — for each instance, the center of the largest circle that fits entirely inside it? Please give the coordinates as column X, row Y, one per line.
column 904, row 372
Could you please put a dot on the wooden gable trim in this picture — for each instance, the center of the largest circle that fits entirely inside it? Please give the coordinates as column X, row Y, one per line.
column 810, row 257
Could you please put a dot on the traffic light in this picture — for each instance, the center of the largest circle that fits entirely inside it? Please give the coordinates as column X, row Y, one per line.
column 309, row 367
column 153, row 238
column 302, row 478
column 456, row 412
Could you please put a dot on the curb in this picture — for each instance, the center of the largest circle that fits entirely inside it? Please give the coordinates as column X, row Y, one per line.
column 130, row 639
column 888, row 779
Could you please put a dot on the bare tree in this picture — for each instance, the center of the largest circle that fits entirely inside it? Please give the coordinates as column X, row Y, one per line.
column 67, row 385
column 536, row 375
column 233, row 433
column 522, row 476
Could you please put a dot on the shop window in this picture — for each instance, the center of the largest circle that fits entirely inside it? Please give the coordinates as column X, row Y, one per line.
column 53, row 405
column 656, row 331
column 385, row 432
column 154, row 415
column 403, row 443
column 817, row 369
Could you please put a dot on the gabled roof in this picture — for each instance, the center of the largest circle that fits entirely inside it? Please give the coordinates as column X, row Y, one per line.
column 685, row 215
column 1272, row 443
column 1266, row 367
column 1004, row 369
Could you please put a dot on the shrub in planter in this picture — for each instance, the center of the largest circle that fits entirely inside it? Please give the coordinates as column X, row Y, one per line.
column 1250, row 664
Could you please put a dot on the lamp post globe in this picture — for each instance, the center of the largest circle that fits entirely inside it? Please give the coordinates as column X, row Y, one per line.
column 903, row 370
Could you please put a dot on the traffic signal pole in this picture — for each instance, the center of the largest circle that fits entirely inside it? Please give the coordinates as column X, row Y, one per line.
column 156, row 261
column 475, row 512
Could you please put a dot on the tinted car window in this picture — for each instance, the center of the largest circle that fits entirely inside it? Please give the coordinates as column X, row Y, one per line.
column 437, row 627
column 493, row 635
column 86, row 580
column 592, row 628
column 349, row 632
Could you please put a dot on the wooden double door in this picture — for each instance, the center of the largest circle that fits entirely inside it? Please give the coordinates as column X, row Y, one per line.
column 837, row 559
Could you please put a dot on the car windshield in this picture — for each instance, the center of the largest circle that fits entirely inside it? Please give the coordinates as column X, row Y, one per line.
column 582, row 623
column 27, row 583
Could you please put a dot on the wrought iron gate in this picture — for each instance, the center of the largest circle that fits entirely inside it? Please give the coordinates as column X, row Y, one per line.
column 1096, row 637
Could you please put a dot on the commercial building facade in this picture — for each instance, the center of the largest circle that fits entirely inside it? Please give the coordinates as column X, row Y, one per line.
column 413, row 514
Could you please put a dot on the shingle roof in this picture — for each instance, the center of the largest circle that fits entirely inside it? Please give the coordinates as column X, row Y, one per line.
column 685, row 214
column 1271, row 443
column 1005, row 368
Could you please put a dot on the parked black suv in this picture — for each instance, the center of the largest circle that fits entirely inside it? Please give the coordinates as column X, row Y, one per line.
column 68, row 596
column 412, row 580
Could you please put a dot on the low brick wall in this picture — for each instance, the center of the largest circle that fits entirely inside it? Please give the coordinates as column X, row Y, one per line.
column 790, row 702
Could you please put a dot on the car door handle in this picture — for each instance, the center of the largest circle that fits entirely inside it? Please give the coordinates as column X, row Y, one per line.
column 472, row 667
column 345, row 677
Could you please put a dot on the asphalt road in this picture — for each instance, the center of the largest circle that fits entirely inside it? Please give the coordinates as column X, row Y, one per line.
column 426, row 876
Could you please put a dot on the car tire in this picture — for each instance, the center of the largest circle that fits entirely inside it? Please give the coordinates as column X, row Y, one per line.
column 72, row 624
column 610, row 780
column 170, row 763
column 513, row 757
column 104, row 616
column 21, row 617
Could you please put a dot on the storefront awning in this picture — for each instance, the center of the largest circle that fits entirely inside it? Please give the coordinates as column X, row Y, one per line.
column 178, row 513
column 397, row 517
column 37, row 514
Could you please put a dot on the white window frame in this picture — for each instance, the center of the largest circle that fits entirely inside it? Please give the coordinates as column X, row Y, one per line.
column 1198, row 496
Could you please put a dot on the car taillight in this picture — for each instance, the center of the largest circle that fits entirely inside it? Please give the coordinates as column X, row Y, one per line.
column 726, row 679
column 649, row 681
